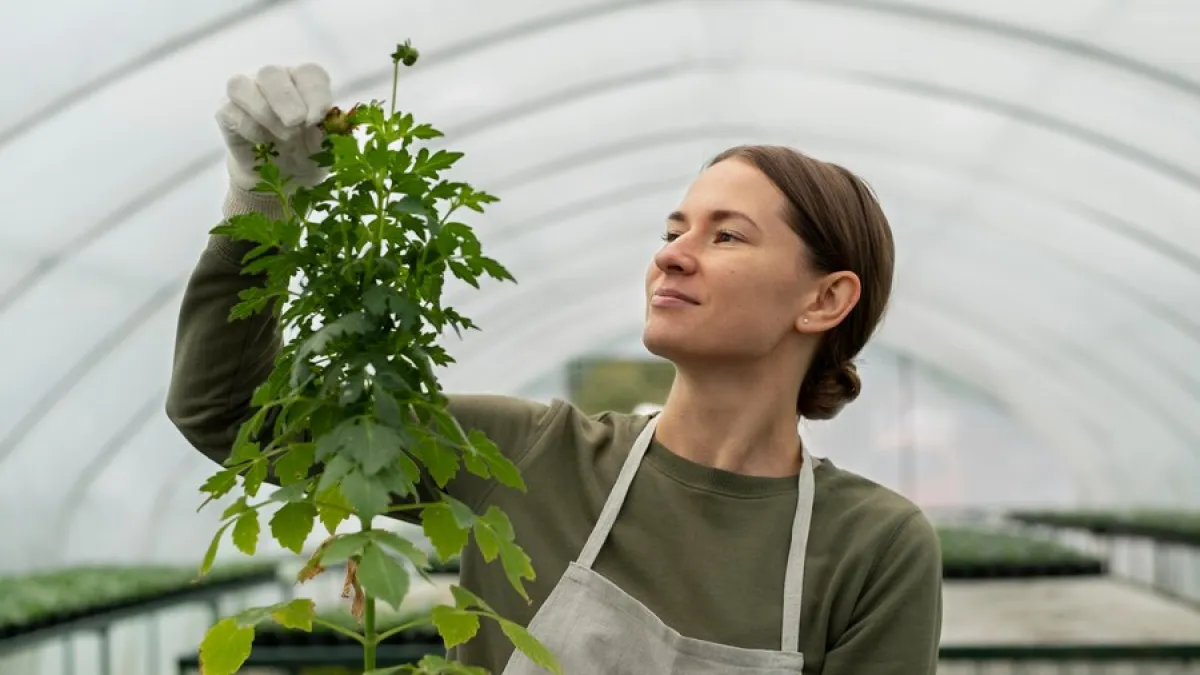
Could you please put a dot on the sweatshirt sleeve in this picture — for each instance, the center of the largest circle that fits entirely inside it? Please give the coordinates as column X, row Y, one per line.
column 897, row 625
column 218, row 364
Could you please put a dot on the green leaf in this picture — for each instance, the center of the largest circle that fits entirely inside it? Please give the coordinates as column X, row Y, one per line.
column 295, row 492
column 495, row 270
column 432, row 664
column 246, row 531
column 464, row 599
column 443, row 530
column 366, row 494
column 210, row 555
column 292, row 524
column 386, row 408
column 238, row 506
column 245, row 451
column 517, row 566
column 225, row 647
column 333, row 508
column 254, row 226
column 335, row 470
column 455, row 625
column 251, row 617
column 382, row 577
column 255, row 477
column 425, row 132
column 441, row 463
column 220, row 483
column 377, row 299
column 494, row 530
column 400, row 545
column 318, row 343
column 463, row 514
column 502, row 468
column 529, row 645
column 372, row 445
column 485, row 538
column 440, row 160
column 411, row 205
column 294, row 465
column 344, row 547
column 297, row 614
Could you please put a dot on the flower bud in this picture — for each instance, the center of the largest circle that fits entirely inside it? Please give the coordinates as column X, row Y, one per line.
column 339, row 122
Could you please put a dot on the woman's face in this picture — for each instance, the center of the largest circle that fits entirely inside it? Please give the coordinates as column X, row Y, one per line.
column 730, row 281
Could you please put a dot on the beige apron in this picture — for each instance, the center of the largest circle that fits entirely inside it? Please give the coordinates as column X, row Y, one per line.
column 595, row 628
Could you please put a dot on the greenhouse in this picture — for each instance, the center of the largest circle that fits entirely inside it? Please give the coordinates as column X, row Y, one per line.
column 1032, row 388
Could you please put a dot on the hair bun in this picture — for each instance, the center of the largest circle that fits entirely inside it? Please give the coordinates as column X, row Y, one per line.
column 824, row 394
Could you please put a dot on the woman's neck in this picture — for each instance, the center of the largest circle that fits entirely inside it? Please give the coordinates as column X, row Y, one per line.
column 742, row 420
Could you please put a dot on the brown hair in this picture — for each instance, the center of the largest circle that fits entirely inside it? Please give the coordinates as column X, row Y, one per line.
column 840, row 221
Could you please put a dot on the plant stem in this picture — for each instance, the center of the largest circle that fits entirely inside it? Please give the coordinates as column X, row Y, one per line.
column 395, row 79
column 370, row 639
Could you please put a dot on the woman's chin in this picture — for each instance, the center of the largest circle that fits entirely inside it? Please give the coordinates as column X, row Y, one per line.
column 672, row 344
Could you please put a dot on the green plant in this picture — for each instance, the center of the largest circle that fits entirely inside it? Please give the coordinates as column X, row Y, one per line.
column 972, row 546
column 352, row 414
column 62, row 593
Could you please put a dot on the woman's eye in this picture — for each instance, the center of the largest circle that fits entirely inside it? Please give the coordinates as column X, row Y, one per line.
column 669, row 236
column 724, row 237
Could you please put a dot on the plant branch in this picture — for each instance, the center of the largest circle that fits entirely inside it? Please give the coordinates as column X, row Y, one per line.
column 339, row 629
column 402, row 627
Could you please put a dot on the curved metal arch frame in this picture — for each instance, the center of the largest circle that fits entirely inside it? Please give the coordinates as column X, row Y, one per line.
column 527, row 177
column 1033, row 36
column 149, row 307
column 161, row 502
column 937, row 16
column 112, row 448
column 554, row 22
column 79, row 94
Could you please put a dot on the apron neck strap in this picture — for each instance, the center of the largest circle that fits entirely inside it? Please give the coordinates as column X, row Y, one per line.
column 616, row 497
column 793, row 576
column 793, row 581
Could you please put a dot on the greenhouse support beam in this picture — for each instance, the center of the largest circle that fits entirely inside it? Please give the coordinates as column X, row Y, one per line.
column 105, row 647
column 68, row 652
column 153, row 653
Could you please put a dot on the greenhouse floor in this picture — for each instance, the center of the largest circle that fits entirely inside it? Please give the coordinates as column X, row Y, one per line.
column 1063, row 611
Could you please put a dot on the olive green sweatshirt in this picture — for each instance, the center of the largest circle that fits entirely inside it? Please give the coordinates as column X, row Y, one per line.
column 704, row 549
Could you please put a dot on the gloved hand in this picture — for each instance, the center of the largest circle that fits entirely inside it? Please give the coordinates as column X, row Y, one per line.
column 284, row 106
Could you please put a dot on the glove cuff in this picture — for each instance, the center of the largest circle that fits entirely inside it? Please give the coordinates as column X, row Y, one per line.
column 239, row 201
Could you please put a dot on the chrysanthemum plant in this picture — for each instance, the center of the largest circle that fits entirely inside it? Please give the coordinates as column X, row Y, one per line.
column 352, row 422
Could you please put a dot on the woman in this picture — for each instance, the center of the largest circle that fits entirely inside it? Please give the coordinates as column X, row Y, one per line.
column 701, row 540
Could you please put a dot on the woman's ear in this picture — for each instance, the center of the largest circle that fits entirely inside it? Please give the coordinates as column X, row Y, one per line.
column 833, row 298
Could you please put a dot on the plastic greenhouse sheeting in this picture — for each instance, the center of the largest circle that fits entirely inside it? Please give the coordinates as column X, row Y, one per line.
column 1040, row 163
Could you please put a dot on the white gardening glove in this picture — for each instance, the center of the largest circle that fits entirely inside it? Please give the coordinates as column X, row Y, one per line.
column 283, row 106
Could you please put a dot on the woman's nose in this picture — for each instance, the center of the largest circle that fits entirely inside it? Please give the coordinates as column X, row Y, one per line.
column 675, row 257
